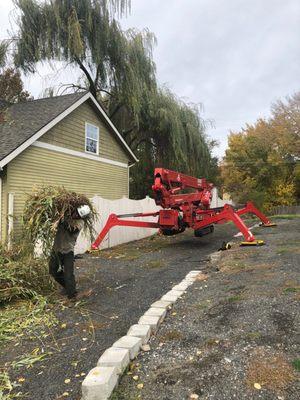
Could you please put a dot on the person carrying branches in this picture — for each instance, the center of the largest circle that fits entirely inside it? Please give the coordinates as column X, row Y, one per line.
column 61, row 262
column 53, row 217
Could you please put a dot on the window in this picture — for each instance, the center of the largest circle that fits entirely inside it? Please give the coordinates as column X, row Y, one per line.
column 91, row 138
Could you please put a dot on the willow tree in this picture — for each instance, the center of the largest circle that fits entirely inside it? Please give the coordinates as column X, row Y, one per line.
column 172, row 135
column 116, row 65
column 118, row 69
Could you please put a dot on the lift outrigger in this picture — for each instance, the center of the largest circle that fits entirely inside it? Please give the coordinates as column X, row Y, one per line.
column 185, row 203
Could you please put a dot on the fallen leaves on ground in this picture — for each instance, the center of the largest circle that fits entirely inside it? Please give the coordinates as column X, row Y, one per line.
column 27, row 360
column 270, row 369
column 201, row 277
column 257, row 385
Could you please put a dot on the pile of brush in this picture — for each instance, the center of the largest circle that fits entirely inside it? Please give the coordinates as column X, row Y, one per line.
column 49, row 206
column 22, row 275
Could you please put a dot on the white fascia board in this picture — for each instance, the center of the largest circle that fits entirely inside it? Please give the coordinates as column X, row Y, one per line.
column 80, row 154
column 112, row 126
column 42, row 131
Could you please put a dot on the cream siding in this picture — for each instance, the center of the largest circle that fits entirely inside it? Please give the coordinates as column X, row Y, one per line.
column 37, row 166
column 70, row 133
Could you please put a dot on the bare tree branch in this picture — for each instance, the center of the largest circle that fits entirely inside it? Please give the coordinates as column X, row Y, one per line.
column 105, row 91
column 125, row 133
column 143, row 140
column 117, row 108
column 92, row 86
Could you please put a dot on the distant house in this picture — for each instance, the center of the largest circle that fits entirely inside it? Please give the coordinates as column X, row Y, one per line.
column 66, row 140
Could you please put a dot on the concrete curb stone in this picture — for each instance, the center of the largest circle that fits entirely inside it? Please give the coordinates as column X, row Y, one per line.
column 181, row 287
column 132, row 343
column 156, row 312
column 99, row 383
column 150, row 320
column 141, row 331
column 115, row 357
column 193, row 274
column 162, row 304
column 172, row 295
column 188, row 281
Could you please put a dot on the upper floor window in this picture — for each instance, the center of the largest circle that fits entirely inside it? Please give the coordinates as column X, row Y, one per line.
column 91, row 138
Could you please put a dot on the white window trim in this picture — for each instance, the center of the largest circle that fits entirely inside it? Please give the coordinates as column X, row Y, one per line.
column 91, row 152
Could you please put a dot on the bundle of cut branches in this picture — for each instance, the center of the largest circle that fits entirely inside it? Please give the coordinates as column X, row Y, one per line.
column 49, row 206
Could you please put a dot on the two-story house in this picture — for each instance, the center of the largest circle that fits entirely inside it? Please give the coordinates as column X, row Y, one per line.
column 66, row 140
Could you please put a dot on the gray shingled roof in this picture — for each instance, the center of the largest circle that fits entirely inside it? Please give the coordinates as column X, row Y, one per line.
column 21, row 121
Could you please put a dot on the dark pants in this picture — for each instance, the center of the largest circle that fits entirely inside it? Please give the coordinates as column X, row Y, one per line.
column 61, row 267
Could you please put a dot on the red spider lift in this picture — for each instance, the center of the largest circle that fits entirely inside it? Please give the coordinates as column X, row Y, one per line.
column 185, row 203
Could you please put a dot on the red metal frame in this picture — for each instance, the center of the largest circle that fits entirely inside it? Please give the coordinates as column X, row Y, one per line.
column 114, row 220
column 184, row 210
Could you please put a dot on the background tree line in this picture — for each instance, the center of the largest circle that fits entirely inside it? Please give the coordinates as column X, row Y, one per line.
column 117, row 67
column 262, row 162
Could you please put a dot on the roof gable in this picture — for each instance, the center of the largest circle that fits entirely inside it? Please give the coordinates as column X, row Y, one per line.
column 24, row 123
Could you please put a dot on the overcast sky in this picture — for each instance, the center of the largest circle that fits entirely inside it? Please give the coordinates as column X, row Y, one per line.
column 234, row 56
